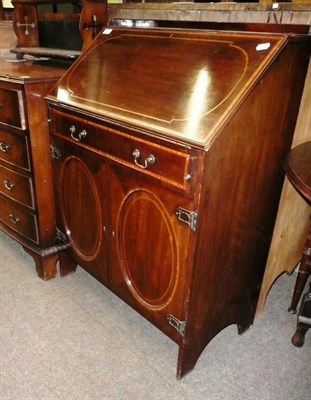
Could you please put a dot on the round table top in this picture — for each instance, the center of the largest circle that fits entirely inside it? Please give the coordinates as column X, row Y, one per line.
column 297, row 167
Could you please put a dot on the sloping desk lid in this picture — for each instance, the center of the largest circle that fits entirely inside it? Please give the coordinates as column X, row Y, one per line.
column 180, row 84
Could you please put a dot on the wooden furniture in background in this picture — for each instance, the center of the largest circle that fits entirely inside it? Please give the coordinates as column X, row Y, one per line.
column 168, row 176
column 93, row 19
column 57, row 28
column 26, row 187
column 298, row 170
column 1, row 11
column 292, row 224
column 26, row 194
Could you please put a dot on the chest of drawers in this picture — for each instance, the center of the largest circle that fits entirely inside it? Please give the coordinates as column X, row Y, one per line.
column 26, row 189
column 167, row 162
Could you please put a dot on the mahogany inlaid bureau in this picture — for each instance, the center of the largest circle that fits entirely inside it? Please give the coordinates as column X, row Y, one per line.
column 167, row 149
column 26, row 185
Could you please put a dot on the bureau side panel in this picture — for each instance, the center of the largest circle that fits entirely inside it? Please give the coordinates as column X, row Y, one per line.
column 242, row 182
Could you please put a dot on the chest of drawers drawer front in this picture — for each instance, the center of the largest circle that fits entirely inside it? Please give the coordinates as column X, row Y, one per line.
column 12, row 110
column 17, row 187
column 19, row 220
column 14, row 149
column 165, row 163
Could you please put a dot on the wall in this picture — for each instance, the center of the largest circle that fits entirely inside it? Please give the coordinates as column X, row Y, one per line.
column 7, row 39
column 283, row 13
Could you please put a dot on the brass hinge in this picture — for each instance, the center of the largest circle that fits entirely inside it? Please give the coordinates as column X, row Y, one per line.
column 180, row 326
column 55, row 153
column 187, row 217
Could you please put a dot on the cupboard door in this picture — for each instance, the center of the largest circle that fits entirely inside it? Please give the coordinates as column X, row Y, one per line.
column 152, row 248
column 80, row 198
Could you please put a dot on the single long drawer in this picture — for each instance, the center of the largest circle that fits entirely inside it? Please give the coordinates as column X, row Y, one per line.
column 12, row 110
column 173, row 166
column 17, row 187
column 14, row 149
column 21, row 221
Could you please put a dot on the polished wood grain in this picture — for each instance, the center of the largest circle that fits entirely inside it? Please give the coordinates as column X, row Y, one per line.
column 15, row 149
column 170, row 165
column 12, row 99
column 17, row 186
column 20, row 221
column 197, row 99
column 194, row 253
column 81, row 175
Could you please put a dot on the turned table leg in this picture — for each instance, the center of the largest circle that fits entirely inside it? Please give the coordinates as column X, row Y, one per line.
column 303, row 273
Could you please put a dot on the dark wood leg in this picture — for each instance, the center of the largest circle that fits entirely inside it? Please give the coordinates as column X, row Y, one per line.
column 187, row 358
column 45, row 263
column 197, row 337
column 66, row 263
column 299, row 337
column 303, row 273
column 303, row 320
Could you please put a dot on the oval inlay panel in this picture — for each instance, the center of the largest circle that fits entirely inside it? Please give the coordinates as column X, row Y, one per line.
column 80, row 208
column 148, row 249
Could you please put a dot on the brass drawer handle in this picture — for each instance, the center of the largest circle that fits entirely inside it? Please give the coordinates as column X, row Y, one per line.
column 79, row 136
column 4, row 147
column 14, row 218
column 150, row 160
column 8, row 184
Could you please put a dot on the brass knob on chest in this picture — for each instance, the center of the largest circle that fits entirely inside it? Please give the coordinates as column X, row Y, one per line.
column 8, row 184
column 150, row 160
column 77, row 136
column 4, row 147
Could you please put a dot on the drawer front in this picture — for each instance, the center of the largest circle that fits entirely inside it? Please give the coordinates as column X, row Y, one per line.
column 17, row 187
column 12, row 111
column 19, row 220
column 14, row 149
column 172, row 166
